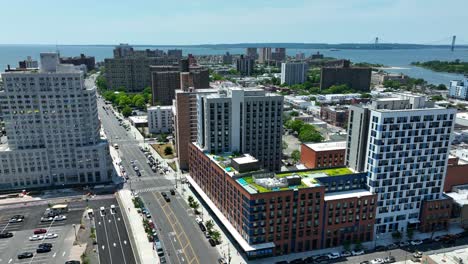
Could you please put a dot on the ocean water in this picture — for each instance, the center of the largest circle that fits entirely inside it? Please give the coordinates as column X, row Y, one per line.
column 398, row 58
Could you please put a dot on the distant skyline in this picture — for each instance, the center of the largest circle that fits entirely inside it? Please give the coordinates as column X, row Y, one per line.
column 187, row 22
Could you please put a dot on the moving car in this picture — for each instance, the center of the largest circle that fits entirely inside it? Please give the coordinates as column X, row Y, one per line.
column 16, row 219
column 163, row 194
column 60, row 218
column 40, row 231
column 25, row 255
column 172, row 192
column 50, row 236
column 6, row 235
column 43, row 249
column 36, row 237
column 167, row 199
column 47, row 219
column 49, row 245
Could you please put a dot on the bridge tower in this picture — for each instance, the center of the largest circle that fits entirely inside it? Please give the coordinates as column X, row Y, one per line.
column 453, row 42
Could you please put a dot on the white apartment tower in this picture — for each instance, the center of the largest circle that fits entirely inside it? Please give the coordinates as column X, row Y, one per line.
column 407, row 154
column 52, row 128
column 293, row 73
column 244, row 121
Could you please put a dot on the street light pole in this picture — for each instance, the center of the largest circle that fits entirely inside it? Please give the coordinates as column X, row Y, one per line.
column 74, row 227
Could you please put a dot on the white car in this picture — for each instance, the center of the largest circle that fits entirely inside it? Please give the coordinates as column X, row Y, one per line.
column 377, row 261
column 416, row 242
column 50, row 236
column 198, row 220
column 334, row 255
column 47, row 219
column 36, row 237
column 60, row 218
column 403, row 244
column 345, row 254
column 357, row 252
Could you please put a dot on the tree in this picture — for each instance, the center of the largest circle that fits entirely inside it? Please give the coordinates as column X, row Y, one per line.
column 296, row 155
column 162, row 138
column 441, row 87
column 294, row 113
column 366, row 95
column 295, row 125
column 126, row 111
column 396, row 235
column 285, row 145
column 216, row 235
column 138, row 101
column 436, row 98
column 308, row 133
column 209, row 225
column 168, row 151
column 409, row 233
column 190, row 200
column 195, row 205
column 101, row 83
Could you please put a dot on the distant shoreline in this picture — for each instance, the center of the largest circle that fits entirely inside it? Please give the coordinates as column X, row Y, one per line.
column 321, row 46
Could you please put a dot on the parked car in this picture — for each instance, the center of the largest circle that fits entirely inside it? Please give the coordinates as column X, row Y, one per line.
column 427, row 241
column 167, row 199
column 162, row 260
column 357, row 252
column 345, row 254
column 202, row 227
column 392, row 246
column 172, row 192
column 40, row 231
column 222, row 261
column 60, row 218
column 377, row 261
column 25, row 255
column 164, row 194
column 198, row 220
column 404, row 244
column 334, row 255
column 416, row 242
column 321, row 258
column 417, row 254
column 390, row 259
column 379, row 248
column 212, row 242
column 437, row 239
column 365, row 262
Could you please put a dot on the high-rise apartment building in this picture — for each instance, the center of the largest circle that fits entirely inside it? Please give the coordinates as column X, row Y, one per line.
column 52, row 128
column 244, row 121
column 358, row 132
column 459, row 89
column 175, row 53
column 160, row 119
column 407, row 152
column 89, row 61
column 293, row 73
column 164, row 84
column 279, row 54
column 357, row 78
column 227, row 58
column 123, row 50
column 185, row 120
column 245, row 66
column 264, row 55
column 251, row 53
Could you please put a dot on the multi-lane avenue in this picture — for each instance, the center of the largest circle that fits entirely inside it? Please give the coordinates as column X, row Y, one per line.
column 181, row 237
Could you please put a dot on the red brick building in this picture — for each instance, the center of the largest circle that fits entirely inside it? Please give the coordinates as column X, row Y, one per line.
column 335, row 115
column 273, row 214
column 435, row 214
column 456, row 175
column 323, row 155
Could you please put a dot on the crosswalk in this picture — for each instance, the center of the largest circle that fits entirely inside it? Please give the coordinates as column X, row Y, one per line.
column 153, row 189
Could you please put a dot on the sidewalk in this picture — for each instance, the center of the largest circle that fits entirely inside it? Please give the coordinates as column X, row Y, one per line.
column 133, row 221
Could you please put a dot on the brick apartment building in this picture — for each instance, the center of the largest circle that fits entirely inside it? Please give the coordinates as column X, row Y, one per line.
column 89, row 61
column 357, row 78
column 323, row 155
column 335, row 115
column 273, row 214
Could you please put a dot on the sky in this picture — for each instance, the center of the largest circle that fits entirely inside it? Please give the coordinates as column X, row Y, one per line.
column 185, row 22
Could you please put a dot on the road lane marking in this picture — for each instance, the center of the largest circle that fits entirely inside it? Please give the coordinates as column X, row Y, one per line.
column 103, row 247
column 107, row 239
column 55, row 254
column 63, row 255
column 125, row 242
column 10, row 260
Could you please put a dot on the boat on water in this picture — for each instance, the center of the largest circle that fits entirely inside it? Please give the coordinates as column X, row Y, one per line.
column 334, row 50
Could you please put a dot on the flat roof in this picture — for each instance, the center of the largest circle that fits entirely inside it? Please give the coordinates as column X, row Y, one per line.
column 326, row 146
column 460, row 197
column 247, row 158
column 449, row 256
column 346, row 194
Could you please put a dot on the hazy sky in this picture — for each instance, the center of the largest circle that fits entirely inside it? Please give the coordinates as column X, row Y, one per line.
column 232, row 21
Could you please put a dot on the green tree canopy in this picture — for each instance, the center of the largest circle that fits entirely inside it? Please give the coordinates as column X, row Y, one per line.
column 126, row 111
column 168, row 151
column 296, row 155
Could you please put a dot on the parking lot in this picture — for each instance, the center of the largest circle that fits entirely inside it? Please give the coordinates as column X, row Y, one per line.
column 20, row 243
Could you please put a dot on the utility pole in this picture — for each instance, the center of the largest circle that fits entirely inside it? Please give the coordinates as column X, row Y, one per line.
column 453, row 42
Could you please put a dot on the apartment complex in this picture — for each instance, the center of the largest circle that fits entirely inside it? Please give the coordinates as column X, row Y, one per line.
column 245, row 65
column 164, row 81
column 52, row 128
column 279, row 54
column 357, row 78
column 264, row 55
column 251, row 53
column 293, row 73
column 280, row 213
column 227, row 58
column 130, row 68
column 89, row 61
column 335, row 115
column 175, row 53
column 185, row 120
column 323, row 155
column 242, row 120
column 408, row 141
column 459, row 89
column 160, row 119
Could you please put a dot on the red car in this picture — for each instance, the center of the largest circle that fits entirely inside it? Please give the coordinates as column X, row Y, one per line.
column 40, row 231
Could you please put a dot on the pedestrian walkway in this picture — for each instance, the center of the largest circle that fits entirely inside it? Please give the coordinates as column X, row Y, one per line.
column 142, row 248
